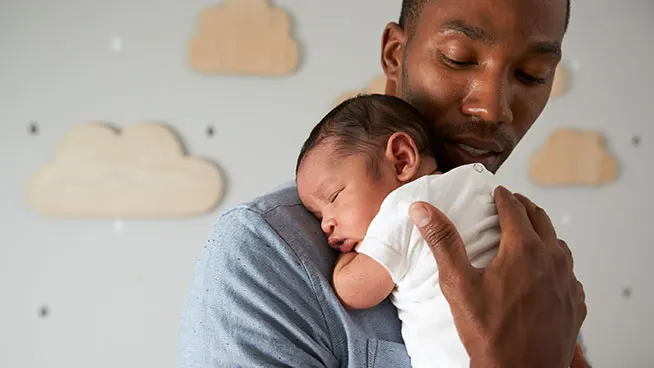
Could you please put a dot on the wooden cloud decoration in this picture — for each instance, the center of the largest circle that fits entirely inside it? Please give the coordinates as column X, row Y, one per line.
column 244, row 37
column 573, row 158
column 141, row 172
column 560, row 84
column 375, row 85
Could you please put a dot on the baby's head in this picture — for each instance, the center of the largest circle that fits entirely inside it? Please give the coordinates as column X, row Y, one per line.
column 361, row 151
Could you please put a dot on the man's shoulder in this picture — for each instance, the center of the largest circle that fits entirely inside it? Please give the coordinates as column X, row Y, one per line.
column 280, row 203
column 285, row 195
column 279, row 221
column 269, row 254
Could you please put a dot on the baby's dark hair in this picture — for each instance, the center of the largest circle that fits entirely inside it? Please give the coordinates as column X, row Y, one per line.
column 363, row 125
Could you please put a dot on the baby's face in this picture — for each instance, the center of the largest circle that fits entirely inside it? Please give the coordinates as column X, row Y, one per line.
column 342, row 194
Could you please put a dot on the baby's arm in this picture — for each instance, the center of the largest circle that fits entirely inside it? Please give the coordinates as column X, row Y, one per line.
column 361, row 282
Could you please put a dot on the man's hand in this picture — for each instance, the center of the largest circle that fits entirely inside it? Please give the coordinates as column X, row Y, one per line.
column 527, row 307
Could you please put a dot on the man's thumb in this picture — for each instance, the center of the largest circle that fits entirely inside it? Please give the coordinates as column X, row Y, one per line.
column 442, row 237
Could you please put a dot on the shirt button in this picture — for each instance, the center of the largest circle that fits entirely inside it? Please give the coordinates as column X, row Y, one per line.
column 479, row 167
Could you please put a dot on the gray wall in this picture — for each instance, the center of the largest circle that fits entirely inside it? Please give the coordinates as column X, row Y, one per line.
column 115, row 289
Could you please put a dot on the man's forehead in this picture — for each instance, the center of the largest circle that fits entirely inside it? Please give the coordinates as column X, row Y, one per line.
column 496, row 18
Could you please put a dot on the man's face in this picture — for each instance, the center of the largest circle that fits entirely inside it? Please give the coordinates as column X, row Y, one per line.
column 480, row 70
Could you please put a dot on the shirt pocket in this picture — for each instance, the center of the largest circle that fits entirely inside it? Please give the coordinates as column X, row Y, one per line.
column 387, row 354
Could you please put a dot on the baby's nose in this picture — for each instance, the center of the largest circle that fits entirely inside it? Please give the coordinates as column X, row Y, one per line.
column 327, row 226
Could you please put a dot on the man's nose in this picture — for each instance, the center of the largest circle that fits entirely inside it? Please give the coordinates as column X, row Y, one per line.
column 490, row 98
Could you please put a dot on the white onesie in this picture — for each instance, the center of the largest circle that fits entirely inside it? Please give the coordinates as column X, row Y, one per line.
column 465, row 195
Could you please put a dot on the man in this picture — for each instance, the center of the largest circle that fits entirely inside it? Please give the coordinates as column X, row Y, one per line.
column 481, row 71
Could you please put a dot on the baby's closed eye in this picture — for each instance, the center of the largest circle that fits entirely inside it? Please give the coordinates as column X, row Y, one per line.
column 333, row 197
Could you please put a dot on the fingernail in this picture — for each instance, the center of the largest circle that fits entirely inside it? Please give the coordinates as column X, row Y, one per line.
column 419, row 215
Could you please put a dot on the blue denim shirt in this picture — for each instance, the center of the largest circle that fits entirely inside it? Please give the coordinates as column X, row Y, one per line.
column 261, row 297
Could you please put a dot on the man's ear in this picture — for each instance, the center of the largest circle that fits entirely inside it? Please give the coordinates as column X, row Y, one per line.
column 393, row 43
column 402, row 152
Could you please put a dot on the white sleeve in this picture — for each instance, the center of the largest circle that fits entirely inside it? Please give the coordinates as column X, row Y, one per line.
column 389, row 235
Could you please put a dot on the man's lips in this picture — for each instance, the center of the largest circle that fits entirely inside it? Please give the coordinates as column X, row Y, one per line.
column 474, row 151
column 479, row 146
column 486, row 153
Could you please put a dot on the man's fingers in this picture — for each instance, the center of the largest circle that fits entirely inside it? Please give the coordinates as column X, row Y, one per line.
column 444, row 241
column 515, row 226
column 583, row 307
column 539, row 220
column 567, row 251
column 576, row 285
column 512, row 213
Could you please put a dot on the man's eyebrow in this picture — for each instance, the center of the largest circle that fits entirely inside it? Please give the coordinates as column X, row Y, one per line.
column 553, row 48
column 478, row 34
column 470, row 31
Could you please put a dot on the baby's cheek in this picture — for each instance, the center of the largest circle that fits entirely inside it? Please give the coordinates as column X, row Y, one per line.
column 365, row 217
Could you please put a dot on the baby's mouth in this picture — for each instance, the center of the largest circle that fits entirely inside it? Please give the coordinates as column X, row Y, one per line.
column 342, row 245
column 348, row 245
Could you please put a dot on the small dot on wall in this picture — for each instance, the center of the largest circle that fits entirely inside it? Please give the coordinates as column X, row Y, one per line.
column 33, row 128
column 626, row 293
column 635, row 140
column 44, row 311
column 117, row 43
column 210, row 131
column 575, row 65
column 119, row 226
column 566, row 219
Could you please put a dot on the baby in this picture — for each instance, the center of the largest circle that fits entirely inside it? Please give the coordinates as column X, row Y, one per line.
column 359, row 171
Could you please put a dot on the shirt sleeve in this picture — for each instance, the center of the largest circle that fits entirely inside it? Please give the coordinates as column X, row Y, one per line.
column 389, row 236
column 251, row 303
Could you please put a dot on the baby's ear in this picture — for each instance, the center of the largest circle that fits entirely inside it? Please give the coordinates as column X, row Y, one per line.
column 401, row 150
